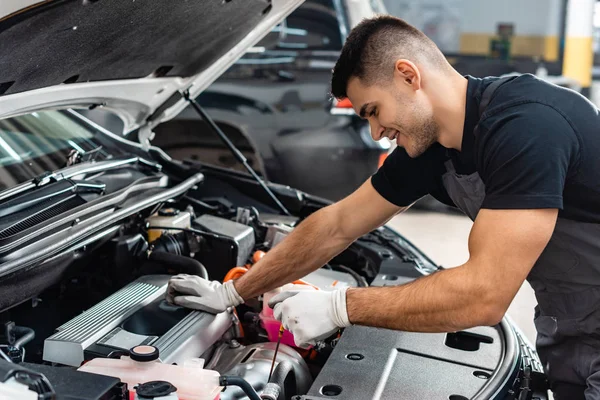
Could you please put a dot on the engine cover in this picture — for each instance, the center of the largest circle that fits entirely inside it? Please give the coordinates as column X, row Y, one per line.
column 135, row 315
column 253, row 363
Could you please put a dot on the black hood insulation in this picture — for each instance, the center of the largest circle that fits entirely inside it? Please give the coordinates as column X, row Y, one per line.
column 68, row 41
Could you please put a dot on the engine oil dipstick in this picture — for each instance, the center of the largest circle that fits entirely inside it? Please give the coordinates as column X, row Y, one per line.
column 281, row 329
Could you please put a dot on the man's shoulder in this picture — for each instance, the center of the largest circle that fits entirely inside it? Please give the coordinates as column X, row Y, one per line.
column 523, row 134
column 526, row 89
column 525, row 122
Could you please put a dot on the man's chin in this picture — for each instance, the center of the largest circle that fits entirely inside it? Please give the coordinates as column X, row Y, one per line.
column 415, row 149
column 411, row 152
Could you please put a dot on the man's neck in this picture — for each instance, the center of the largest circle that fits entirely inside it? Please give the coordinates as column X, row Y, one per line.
column 450, row 110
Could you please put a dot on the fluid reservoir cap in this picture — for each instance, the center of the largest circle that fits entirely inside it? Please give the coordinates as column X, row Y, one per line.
column 150, row 390
column 143, row 353
column 168, row 212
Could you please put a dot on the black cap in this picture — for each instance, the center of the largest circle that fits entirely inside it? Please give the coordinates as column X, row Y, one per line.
column 143, row 353
column 150, row 390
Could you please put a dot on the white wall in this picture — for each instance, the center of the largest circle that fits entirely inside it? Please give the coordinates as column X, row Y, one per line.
column 439, row 19
column 530, row 17
column 445, row 20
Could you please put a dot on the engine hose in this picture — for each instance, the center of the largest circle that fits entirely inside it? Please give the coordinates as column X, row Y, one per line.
column 25, row 335
column 360, row 281
column 241, row 383
column 183, row 264
column 284, row 377
column 272, row 391
column 5, row 356
column 200, row 203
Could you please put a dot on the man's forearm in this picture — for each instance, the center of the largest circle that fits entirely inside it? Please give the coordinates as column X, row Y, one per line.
column 312, row 244
column 446, row 301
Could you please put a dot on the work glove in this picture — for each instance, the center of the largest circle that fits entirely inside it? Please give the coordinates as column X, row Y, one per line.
column 194, row 292
column 311, row 315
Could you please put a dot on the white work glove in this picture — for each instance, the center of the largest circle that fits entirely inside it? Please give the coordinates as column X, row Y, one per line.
column 194, row 292
column 311, row 315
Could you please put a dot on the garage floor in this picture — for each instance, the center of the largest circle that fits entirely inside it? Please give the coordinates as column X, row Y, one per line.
column 443, row 237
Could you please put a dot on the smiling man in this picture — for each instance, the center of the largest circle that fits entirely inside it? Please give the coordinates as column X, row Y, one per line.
column 519, row 156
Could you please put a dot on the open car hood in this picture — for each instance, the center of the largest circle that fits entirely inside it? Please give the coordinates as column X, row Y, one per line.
column 132, row 57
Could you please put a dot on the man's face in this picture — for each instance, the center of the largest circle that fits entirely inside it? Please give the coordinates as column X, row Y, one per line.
column 396, row 112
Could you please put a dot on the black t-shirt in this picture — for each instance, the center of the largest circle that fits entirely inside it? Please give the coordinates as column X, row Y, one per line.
column 538, row 146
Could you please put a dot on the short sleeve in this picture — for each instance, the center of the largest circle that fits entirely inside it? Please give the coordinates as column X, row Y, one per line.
column 525, row 157
column 402, row 180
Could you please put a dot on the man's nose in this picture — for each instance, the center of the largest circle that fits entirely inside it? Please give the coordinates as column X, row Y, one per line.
column 376, row 130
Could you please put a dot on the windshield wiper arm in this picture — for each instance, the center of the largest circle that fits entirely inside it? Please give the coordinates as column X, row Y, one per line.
column 83, row 168
column 234, row 150
column 47, row 193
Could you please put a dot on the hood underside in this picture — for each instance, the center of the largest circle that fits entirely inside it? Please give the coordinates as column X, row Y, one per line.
column 131, row 56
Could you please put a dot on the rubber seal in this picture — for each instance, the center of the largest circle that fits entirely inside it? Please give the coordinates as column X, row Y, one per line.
column 143, row 353
column 150, row 390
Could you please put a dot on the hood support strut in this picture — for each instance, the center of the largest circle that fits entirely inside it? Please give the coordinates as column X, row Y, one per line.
column 234, row 150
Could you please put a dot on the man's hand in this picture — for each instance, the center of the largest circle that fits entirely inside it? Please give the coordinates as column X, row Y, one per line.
column 311, row 315
column 191, row 291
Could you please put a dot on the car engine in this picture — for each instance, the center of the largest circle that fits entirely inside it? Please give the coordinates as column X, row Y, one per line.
column 111, row 300
column 85, row 260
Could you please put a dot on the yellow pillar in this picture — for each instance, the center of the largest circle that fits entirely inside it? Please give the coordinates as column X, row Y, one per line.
column 579, row 53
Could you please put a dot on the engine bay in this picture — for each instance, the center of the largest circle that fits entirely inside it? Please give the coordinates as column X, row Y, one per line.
column 97, row 306
column 105, row 295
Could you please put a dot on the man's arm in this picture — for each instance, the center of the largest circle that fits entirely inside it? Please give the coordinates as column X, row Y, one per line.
column 503, row 246
column 317, row 240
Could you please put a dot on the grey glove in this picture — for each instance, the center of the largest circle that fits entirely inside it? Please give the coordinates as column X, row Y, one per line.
column 191, row 291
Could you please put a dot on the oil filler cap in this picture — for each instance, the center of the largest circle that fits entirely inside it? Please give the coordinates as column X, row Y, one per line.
column 143, row 353
column 154, row 389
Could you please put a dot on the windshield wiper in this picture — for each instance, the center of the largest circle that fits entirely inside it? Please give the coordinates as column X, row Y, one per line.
column 234, row 150
column 47, row 193
column 83, row 168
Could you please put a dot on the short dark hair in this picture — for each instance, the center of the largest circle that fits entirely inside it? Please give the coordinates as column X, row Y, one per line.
column 376, row 43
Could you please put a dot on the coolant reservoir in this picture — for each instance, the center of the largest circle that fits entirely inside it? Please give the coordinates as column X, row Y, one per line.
column 192, row 382
column 167, row 218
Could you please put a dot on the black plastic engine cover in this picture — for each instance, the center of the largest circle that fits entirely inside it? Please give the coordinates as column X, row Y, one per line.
column 371, row 363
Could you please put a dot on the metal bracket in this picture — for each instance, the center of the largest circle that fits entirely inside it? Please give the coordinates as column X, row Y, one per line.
column 145, row 136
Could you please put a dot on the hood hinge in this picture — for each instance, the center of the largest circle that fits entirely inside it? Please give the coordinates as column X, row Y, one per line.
column 145, row 136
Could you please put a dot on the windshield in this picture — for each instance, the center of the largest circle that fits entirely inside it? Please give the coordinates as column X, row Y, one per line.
column 34, row 143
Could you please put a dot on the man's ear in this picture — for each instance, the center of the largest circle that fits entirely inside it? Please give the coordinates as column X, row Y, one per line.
column 406, row 72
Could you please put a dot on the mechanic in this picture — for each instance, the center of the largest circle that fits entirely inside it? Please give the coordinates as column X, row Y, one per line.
column 519, row 156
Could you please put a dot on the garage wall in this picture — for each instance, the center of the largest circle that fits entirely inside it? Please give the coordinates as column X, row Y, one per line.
column 466, row 26
column 439, row 19
column 536, row 24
